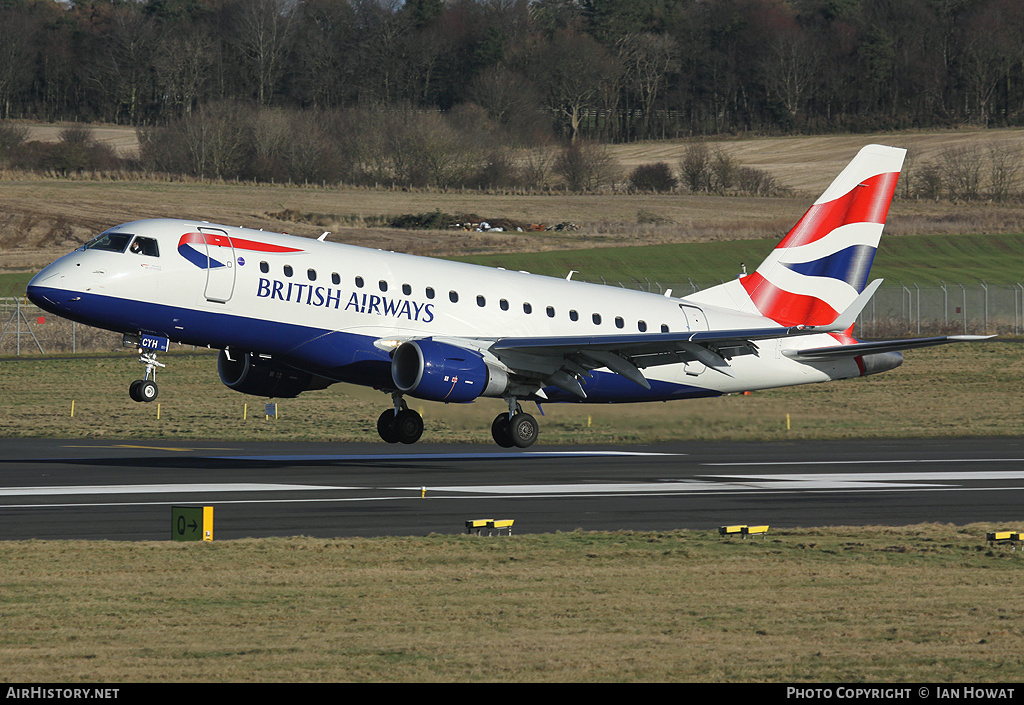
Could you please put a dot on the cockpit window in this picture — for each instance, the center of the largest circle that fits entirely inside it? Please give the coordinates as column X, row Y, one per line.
column 110, row 242
column 145, row 246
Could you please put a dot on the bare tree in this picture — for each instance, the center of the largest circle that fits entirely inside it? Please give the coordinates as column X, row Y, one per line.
column 1004, row 160
column 695, row 166
column 182, row 63
column 962, row 168
column 790, row 69
column 121, row 71
column 17, row 34
column 586, row 165
column 262, row 33
column 647, row 61
column 571, row 69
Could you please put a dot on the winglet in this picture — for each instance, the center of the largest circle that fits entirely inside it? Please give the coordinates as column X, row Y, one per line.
column 848, row 317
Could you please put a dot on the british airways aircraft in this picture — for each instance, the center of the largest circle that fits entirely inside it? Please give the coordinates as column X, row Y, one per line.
column 291, row 314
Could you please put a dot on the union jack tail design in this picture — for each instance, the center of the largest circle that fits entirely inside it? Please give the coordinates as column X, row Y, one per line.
column 821, row 266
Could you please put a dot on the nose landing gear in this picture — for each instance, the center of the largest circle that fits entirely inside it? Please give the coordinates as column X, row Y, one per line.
column 145, row 389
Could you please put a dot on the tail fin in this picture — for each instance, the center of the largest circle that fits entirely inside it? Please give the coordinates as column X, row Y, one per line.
column 821, row 266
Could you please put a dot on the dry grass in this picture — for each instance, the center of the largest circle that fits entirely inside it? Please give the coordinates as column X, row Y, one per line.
column 928, row 603
column 41, row 218
column 969, row 389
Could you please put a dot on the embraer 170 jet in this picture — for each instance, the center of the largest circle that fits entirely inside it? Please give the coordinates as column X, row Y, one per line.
column 291, row 314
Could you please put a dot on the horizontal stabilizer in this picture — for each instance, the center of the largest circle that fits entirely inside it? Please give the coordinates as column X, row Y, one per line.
column 880, row 346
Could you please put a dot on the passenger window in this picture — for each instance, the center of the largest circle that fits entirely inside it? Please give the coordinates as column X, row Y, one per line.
column 503, row 304
column 383, row 285
column 453, row 296
column 641, row 326
column 336, row 278
column 264, row 267
column 359, row 282
column 597, row 319
column 430, row 292
column 527, row 308
column 287, row 270
column 311, row 274
column 664, row 328
column 406, row 289
column 481, row 301
column 145, row 246
column 573, row 316
column 551, row 311
column 619, row 322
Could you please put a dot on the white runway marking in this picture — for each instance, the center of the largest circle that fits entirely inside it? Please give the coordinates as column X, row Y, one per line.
column 798, row 463
column 380, row 457
column 718, row 484
column 160, row 489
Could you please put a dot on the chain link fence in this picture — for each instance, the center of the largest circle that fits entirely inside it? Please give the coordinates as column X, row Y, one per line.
column 25, row 329
column 894, row 311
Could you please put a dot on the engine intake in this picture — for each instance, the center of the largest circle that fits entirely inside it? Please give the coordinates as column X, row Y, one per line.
column 427, row 369
column 249, row 373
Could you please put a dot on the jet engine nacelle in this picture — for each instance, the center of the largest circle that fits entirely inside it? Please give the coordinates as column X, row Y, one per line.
column 427, row 369
column 249, row 373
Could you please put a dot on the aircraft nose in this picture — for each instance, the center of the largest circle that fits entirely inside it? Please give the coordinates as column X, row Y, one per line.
column 42, row 288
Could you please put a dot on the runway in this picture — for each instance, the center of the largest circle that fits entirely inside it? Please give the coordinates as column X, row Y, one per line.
column 75, row 489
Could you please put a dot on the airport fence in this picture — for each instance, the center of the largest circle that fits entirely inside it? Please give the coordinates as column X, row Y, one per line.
column 898, row 310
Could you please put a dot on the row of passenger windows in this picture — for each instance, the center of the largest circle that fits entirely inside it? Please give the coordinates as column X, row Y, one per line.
column 453, row 296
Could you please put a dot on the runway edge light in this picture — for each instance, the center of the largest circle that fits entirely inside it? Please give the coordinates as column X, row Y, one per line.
column 192, row 523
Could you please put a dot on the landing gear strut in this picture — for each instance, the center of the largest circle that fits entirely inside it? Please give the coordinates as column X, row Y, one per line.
column 145, row 389
column 401, row 424
column 514, row 428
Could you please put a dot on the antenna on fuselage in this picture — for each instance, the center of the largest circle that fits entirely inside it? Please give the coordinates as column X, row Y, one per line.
column 321, row 238
column 569, row 275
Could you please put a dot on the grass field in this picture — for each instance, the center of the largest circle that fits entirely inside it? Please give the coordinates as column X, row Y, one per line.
column 926, row 259
column 920, row 604
column 963, row 390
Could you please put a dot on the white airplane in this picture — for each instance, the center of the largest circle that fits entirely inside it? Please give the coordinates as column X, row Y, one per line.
column 291, row 314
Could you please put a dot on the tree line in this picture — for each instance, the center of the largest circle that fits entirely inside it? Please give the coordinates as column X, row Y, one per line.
column 601, row 70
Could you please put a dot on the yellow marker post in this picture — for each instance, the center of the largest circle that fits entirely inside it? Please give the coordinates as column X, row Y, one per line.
column 72, row 408
column 158, row 411
column 787, row 422
column 245, row 411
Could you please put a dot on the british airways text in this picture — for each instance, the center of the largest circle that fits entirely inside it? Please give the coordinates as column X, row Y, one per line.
column 327, row 297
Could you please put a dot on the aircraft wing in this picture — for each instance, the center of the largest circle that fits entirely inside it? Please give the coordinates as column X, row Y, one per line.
column 560, row 360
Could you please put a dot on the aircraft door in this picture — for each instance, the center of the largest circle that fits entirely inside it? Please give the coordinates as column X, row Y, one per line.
column 220, row 271
column 695, row 321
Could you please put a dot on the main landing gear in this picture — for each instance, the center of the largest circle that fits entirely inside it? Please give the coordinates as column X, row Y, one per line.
column 514, row 428
column 511, row 429
column 145, row 389
column 401, row 424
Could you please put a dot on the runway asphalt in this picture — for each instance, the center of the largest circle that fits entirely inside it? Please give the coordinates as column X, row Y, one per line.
column 75, row 489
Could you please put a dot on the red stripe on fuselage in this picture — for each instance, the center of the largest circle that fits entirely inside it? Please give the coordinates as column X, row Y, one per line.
column 237, row 243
